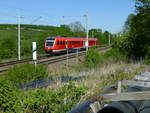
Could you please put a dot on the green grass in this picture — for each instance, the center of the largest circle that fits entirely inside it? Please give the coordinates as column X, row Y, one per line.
column 9, row 43
column 26, row 73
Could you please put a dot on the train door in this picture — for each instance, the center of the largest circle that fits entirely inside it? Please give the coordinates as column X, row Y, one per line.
column 70, row 44
column 64, row 44
column 58, row 44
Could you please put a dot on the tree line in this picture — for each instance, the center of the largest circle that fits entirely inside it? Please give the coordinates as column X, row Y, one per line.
column 135, row 39
column 38, row 33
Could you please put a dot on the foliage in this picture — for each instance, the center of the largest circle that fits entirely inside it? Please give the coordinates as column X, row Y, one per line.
column 106, row 34
column 9, row 97
column 122, row 43
column 26, row 48
column 140, row 27
column 40, row 101
column 60, row 101
column 76, row 26
column 102, row 37
column 115, row 54
column 127, row 25
column 8, row 47
column 26, row 73
column 137, row 29
column 141, row 5
column 92, row 58
column 6, row 53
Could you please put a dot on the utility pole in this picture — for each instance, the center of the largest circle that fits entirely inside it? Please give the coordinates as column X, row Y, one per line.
column 87, row 32
column 109, row 40
column 77, row 57
column 67, row 51
column 18, row 37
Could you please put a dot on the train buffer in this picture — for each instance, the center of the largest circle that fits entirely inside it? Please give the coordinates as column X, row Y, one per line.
column 126, row 96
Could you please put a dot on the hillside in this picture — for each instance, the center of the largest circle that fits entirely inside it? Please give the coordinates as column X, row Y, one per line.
column 38, row 33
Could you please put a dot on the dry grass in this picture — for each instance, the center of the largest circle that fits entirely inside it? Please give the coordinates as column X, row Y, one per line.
column 98, row 77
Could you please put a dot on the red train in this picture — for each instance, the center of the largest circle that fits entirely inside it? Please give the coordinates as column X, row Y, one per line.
column 58, row 44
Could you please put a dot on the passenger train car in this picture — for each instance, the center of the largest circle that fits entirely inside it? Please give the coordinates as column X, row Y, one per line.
column 60, row 44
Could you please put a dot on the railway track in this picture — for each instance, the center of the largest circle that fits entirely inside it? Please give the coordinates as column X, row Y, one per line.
column 19, row 61
column 44, row 60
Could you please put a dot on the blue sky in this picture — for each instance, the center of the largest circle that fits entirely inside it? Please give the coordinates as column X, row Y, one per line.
column 105, row 14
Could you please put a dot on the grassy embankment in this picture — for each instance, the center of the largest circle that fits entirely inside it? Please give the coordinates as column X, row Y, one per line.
column 99, row 69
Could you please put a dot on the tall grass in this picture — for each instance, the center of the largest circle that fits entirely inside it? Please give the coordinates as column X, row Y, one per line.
column 26, row 73
column 95, row 59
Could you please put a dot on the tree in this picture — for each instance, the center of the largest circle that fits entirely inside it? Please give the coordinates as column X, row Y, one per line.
column 139, row 30
column 76, row 26
column 127, row 25
column 97, row 33
column 106, row 34
column 65, row 31
column 141, row 5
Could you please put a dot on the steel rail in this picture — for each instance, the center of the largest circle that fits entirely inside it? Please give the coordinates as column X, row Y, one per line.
column 45, row 60
column 19, row 61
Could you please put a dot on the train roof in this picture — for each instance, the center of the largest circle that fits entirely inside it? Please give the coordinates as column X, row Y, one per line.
column 53, row 38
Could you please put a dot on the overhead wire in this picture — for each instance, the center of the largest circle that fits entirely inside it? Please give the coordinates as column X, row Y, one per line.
column 44, row 17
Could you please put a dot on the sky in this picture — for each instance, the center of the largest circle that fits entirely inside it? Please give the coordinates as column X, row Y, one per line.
column 104, row 14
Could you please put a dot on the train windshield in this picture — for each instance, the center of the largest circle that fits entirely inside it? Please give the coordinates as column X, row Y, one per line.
column 49, row 43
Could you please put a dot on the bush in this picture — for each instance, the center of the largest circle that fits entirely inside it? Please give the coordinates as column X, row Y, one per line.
column 6, row 53
column 40, row 101
column 60, row 101
column 122, row 43
column 22, row 74
column 9, row 97
column 8, row 47
column 92, row 58
column 115, row 54
column 26, row 48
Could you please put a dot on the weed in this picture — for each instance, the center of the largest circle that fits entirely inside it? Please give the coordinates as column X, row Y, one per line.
column 22, row 74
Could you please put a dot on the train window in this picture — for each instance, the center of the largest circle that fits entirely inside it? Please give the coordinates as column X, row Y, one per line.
column 70, row 42
column 49, row 43
column 63, row 42
column 58, row 42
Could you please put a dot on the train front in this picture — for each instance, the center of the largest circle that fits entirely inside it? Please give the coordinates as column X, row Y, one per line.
column 49, row 42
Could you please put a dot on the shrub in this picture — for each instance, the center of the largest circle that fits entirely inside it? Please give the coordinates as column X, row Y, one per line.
column 9, row 101
column 115, row 54
column 122, row 43
column 26, row 48
column 6, row 53
column 92, row 58
column 8, row 47
column 22, row 74
column 60, row 101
